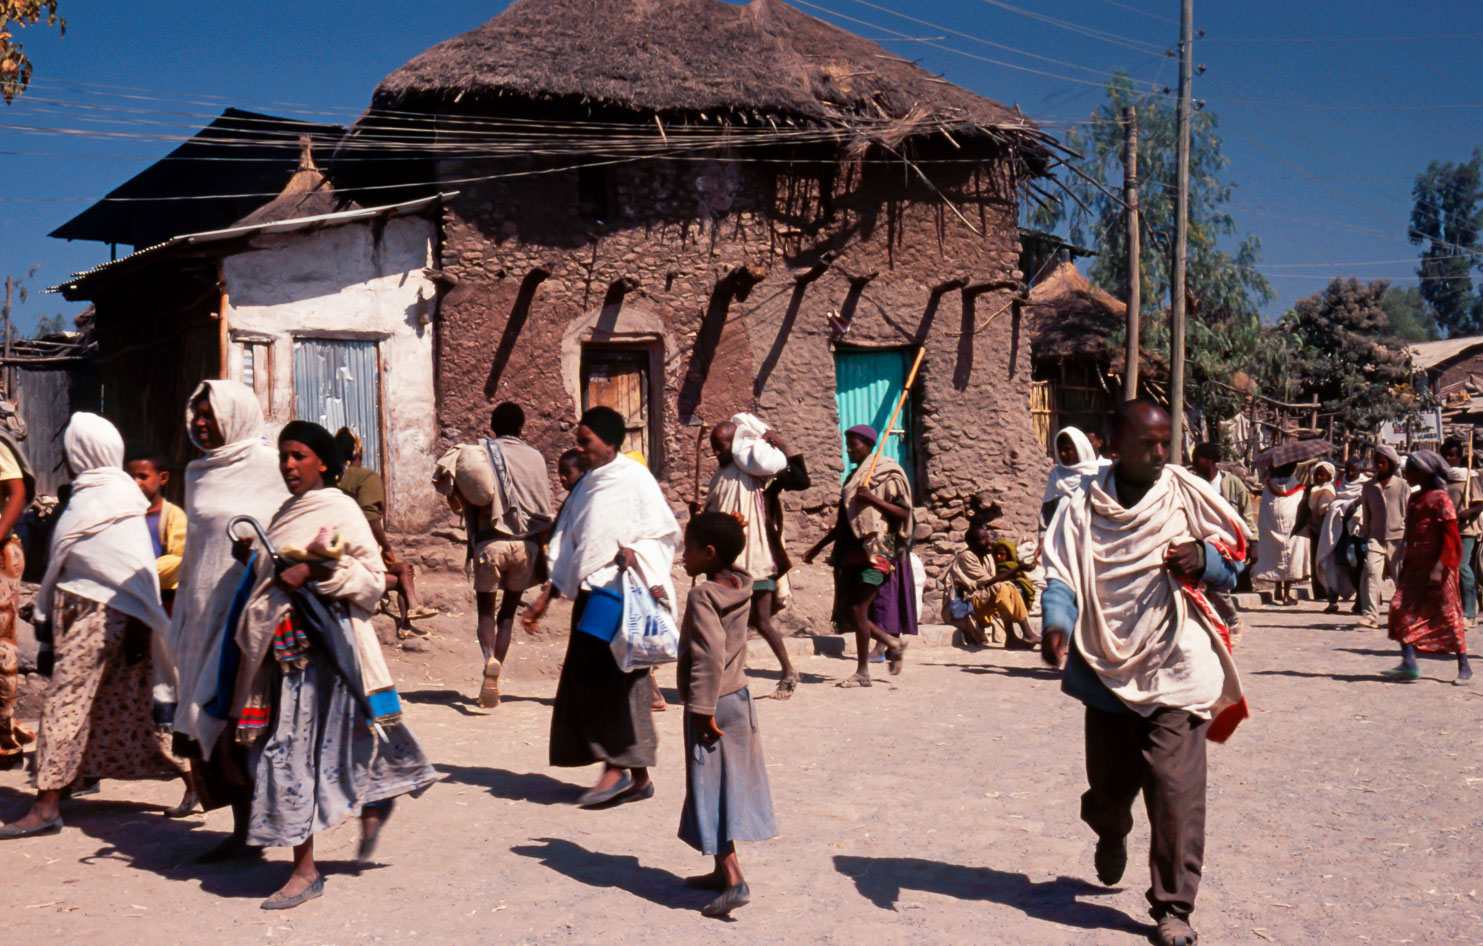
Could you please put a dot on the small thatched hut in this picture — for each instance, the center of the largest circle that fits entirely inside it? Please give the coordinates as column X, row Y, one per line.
column 686, row 208
column 1072, row 327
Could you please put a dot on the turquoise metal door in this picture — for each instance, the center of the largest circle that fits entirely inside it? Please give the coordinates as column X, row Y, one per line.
column 867, row 384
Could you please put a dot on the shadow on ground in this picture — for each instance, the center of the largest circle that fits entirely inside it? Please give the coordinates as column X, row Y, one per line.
column 534, row 787
column 467, row 705
column 1029, row 673
column 881, row 880
column 623, row 871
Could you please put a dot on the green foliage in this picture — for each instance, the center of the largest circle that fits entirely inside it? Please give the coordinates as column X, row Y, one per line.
column 1446, row 218
column 1410, row 321
column 50, row 325
column 1225, row 291
column 15, row 67
column 1344, row 351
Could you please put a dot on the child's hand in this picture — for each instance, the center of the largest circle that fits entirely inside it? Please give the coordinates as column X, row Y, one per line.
column 706, row 730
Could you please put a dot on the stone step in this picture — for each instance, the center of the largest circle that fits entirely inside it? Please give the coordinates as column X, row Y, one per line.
column 1250, row 600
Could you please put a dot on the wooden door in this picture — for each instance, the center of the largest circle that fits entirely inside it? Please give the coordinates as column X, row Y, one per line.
column 867, row 385
column 620, row 379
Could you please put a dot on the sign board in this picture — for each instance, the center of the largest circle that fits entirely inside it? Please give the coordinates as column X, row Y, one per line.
column 1425, row 427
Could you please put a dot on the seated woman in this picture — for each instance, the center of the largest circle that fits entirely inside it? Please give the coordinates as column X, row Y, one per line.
column 314, row 756
column 986, row 590
column 101, row 599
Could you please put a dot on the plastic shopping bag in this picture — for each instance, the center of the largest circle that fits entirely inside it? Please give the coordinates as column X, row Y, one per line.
column 647, row 636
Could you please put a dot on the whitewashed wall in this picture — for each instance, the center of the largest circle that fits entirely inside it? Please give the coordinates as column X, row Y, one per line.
column 351, row 281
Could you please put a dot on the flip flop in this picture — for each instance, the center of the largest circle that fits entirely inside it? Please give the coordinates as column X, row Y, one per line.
column 1401, row 674
column 853, row 681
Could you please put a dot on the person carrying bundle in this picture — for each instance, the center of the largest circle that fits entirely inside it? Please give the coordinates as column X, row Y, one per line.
column 755, row 466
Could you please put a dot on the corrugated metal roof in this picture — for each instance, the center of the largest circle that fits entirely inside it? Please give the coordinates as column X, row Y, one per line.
column 72, row 287
column 1427, row 355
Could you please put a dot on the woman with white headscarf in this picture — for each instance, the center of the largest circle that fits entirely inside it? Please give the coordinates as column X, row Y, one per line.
column 101, row 598
column 1076, row 459
column 237, row 474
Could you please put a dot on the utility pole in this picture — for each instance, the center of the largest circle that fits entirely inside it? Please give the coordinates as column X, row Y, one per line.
column 10, row 286
column 1135, row 269
column 1181, row 232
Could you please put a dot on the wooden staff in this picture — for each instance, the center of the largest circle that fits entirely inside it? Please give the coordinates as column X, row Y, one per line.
column 880, row 445
column 699, row 440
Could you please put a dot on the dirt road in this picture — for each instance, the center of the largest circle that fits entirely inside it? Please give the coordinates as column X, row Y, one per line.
column 936, row 807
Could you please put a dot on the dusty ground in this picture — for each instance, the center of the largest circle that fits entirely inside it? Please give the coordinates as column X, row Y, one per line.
column 937, row 807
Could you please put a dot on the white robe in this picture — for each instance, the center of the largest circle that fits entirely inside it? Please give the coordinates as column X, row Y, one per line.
column 1280, row 555
column 1151, row 638
column 239, row 478
column 617, row 505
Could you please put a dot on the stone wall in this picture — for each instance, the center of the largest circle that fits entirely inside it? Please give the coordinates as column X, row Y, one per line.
column 709, row 262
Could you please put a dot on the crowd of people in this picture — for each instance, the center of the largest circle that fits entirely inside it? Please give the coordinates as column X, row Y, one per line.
column 228, row 643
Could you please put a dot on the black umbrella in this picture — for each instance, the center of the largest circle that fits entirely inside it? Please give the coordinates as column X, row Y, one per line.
column 317, row 619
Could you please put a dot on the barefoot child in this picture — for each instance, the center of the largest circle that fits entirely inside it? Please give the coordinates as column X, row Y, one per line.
column 727, row 798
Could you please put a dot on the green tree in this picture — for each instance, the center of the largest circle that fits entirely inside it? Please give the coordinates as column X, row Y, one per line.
column 15, row 67
column 1409, row 317
column 1225, row 290
column 50, row 325
column 1344, row 351
column 1446, row 218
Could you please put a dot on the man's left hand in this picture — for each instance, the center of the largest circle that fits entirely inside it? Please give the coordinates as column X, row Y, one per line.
column 1186, row 560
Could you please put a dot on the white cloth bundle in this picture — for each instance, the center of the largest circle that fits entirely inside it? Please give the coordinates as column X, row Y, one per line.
column 751, row 454
column 1066, row 480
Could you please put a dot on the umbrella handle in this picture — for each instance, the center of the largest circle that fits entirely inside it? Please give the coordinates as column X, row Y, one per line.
column 255, row 526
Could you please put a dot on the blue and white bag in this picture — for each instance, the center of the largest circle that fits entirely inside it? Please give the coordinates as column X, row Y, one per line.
column 648, row 635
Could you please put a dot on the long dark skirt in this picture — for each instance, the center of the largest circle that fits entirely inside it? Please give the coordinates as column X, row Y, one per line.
column 727, row 798
column 602, row 714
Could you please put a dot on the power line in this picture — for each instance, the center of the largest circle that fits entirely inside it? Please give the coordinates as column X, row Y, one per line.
column 1103, row 35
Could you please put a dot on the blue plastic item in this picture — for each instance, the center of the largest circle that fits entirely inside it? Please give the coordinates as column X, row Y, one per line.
column 602, row 614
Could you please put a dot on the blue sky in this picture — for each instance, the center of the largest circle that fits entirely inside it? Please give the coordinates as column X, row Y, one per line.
column 1328, row 107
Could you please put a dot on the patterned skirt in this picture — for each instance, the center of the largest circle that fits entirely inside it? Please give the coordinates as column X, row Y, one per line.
column 95, row 718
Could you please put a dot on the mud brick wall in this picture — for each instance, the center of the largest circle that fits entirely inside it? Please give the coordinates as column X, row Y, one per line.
column 709, row 262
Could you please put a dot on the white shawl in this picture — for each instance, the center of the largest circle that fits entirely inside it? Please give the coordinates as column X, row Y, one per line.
column 359, row 580
column 616, row 505
column 101, row 548
column 1066, row 480
column 1281, row 555
column 1334, row 577
column 239, row 478
column 1151, row 638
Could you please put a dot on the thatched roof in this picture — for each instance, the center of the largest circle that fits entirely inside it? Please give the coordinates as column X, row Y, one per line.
column 307, row 194
column 1071, row 318
column 765, row 59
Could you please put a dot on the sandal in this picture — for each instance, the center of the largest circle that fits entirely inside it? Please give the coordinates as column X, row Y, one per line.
column 785, row 689
column 853, row 681
column 1402, row 674
column 280, row 902
column 896, row 658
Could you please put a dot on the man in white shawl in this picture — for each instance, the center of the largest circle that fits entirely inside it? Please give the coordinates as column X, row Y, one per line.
column 615, row 519
column 99, row 604
column 753, row 463
column 1076, row 459
column 1282, row 545
column 236, row 474
column 1205, row 463
column 1127, row 560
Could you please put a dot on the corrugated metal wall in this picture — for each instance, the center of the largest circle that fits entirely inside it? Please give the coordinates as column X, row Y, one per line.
column 867, row 384
column 337, row 383
column 45, row 405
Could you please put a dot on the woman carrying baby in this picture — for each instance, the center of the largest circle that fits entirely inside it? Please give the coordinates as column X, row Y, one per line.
column 315, row 757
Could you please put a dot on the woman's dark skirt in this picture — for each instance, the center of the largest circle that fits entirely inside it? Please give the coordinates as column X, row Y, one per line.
column 727, row 798
column 602, row 714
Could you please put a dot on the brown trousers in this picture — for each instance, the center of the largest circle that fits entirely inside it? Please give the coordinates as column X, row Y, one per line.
column 13, row 737
column 1163, row 756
